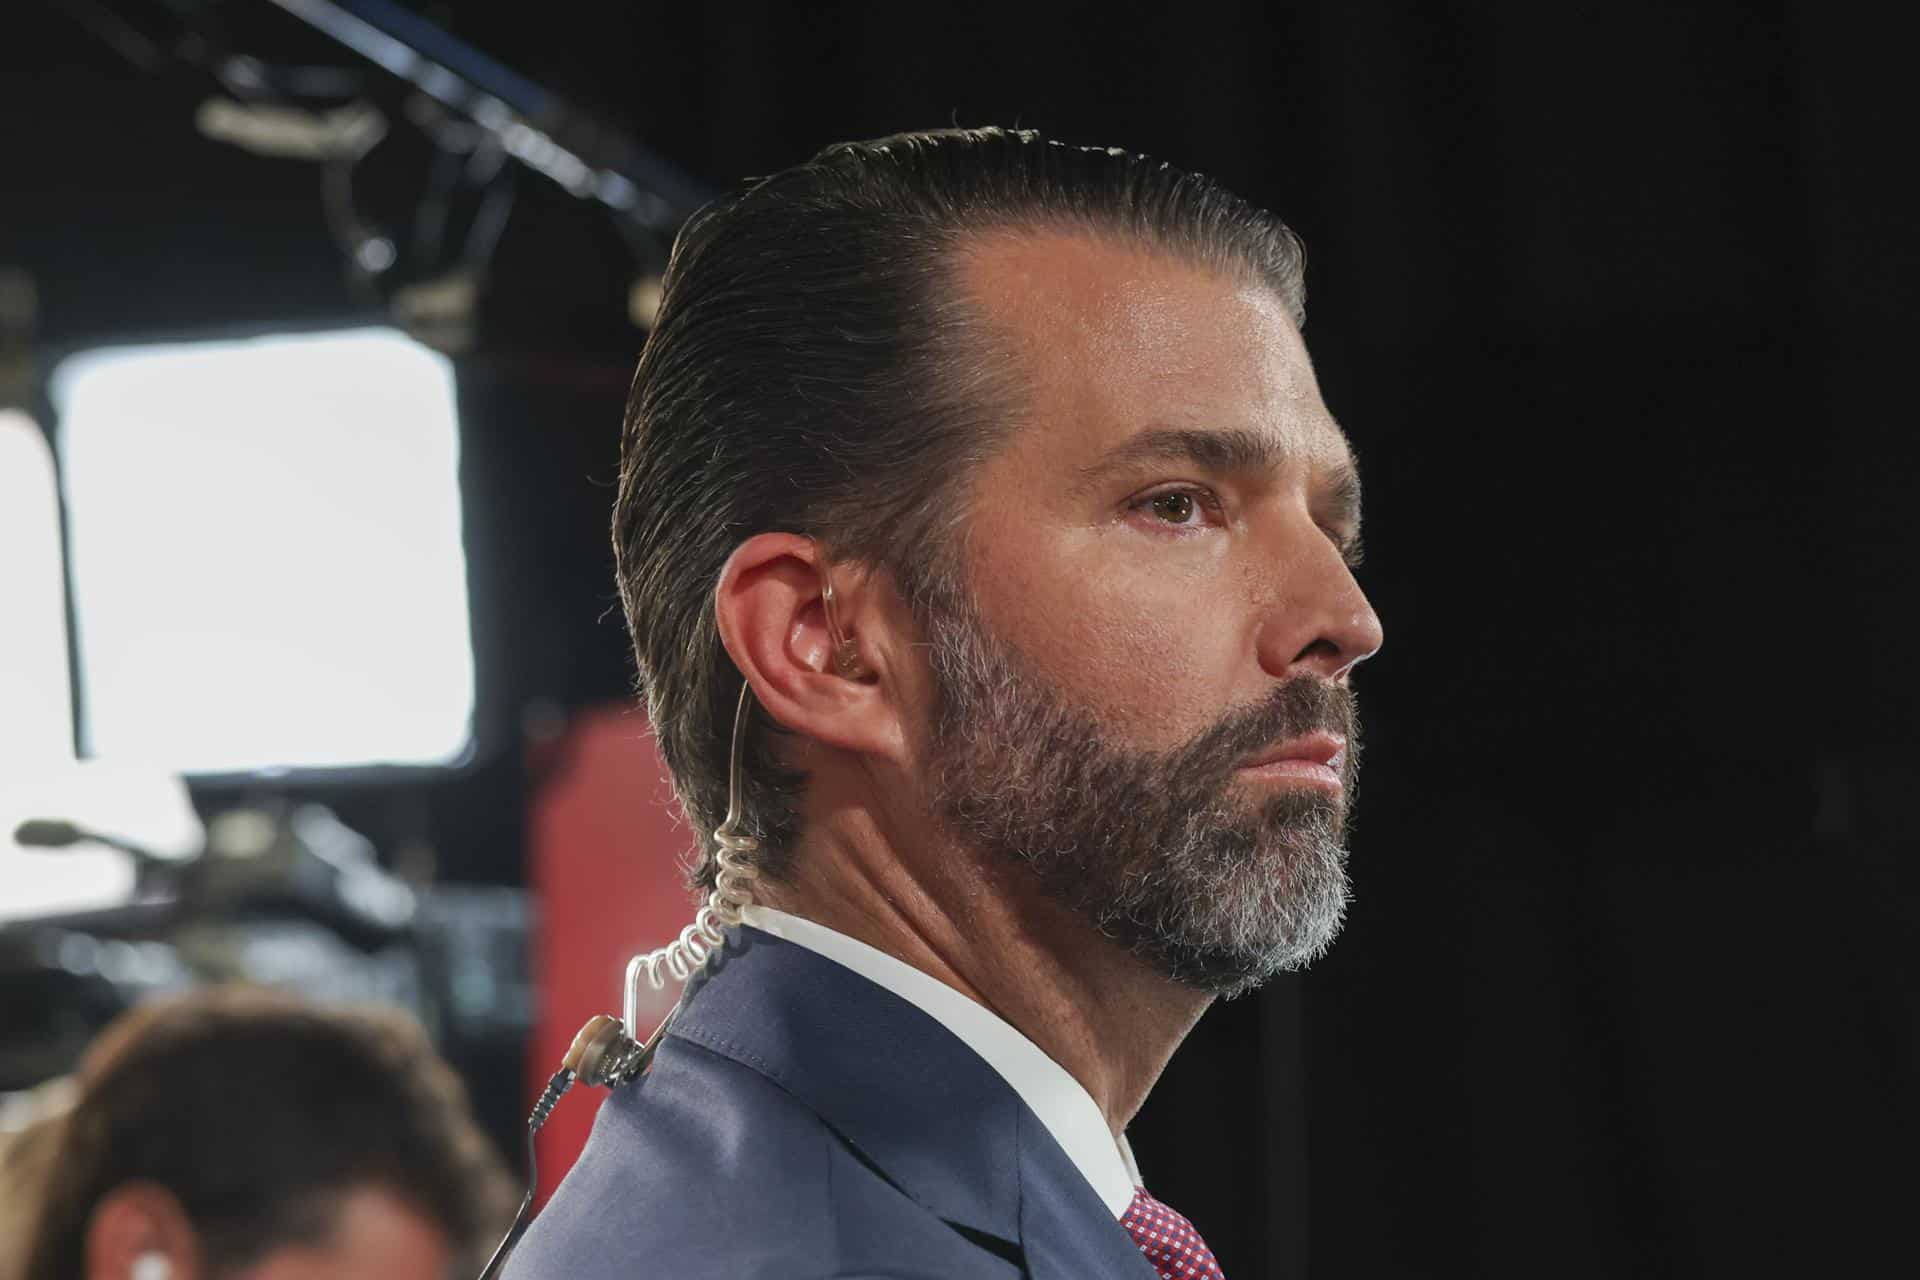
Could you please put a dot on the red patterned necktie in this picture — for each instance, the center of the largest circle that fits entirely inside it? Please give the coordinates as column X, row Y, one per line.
column 1171, row 1244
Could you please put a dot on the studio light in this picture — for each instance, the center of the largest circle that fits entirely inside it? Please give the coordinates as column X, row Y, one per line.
column 265, row 541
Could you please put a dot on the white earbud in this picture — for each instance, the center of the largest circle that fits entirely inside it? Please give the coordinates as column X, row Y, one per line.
column 151, row 1265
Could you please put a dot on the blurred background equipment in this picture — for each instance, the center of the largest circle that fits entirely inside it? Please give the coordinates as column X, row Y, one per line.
column 466, row 127
column 1614, row 302
column 106, row 913
column 238, row 553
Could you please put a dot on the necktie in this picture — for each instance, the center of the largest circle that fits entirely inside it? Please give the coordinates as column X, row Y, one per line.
column 1171, row 1244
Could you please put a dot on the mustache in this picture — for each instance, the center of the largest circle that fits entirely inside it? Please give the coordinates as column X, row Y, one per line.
column 1302, row 705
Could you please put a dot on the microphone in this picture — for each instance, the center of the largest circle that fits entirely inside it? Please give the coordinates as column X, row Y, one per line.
column 48, row 833
column 60, row 833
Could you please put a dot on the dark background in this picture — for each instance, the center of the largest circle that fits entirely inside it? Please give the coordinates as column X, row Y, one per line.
column 1610, row 298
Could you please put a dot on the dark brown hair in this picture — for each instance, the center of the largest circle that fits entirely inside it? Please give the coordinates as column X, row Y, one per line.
column 258, row 1112
column 815, row 369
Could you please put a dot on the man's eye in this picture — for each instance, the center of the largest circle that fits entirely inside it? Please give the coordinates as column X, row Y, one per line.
column 1174, row 508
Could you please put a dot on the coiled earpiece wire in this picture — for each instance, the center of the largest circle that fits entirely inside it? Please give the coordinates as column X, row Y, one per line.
column 604, row 1052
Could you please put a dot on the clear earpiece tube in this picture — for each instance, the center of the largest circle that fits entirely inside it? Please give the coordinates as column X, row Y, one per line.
column 732, row 888
column 605, row 1052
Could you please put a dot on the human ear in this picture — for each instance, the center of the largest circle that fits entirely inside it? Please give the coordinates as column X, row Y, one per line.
column 818, row 665
column 138, row 1231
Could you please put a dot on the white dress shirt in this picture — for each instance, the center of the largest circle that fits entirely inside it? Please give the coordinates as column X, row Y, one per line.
column 1062, row 1104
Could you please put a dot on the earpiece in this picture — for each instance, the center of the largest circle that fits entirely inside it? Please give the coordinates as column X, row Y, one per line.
column 846, row 654
column 151, row 1265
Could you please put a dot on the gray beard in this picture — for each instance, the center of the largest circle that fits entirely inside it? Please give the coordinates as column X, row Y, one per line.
column 1153, row 848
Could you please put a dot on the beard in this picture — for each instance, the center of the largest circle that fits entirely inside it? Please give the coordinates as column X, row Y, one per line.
column 1165, row 853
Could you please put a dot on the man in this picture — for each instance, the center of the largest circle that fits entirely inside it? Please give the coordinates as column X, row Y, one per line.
column 998, row 471
column 235, row 1134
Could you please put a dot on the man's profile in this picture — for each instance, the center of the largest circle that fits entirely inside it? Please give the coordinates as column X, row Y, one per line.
column 998, row 472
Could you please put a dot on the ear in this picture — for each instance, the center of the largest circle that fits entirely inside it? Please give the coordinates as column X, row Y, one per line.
column 770, row 608
column 139, row 1230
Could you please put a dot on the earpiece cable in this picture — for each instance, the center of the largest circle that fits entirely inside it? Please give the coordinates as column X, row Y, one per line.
column 604, row 1052
column 733, row 881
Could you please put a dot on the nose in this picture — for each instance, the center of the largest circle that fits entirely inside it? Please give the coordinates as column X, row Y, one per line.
column 1317, row 621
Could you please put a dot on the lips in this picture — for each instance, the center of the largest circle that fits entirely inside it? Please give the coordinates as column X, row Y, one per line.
column 1319, row 748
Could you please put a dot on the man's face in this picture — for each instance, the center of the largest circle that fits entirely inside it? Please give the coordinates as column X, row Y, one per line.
column 1141, row 685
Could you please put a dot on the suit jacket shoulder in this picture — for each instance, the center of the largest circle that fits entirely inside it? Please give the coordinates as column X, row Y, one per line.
column 801, row 1122
column 709, row 1169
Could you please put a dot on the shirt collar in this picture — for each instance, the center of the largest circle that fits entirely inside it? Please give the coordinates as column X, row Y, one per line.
column 1064, row 1107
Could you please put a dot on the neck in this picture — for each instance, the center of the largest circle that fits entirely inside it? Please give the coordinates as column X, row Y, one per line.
column 987, row 932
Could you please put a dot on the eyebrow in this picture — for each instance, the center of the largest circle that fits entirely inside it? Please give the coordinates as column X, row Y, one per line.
column 1233, row 449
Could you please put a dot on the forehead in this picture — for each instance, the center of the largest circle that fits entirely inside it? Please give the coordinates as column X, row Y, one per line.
column 1111, row 338
column 376, row 1233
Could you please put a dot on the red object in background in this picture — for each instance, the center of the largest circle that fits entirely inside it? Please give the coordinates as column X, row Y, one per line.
column 605, row 850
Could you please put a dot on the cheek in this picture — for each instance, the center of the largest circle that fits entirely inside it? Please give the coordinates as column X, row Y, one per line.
column 1151, row 643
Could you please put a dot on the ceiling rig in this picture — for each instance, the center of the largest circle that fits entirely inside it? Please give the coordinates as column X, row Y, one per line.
column 484, row 125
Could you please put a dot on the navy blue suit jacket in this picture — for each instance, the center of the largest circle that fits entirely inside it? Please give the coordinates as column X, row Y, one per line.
column 802, row 1122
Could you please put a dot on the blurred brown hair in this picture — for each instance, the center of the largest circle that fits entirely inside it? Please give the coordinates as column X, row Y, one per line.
column 258, row 1112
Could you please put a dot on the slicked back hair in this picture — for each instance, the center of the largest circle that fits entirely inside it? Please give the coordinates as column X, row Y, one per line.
column 815, row 369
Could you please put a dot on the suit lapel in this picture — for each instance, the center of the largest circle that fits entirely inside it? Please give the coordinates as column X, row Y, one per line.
column 913, row 1099
column 909, row 1096
column 1066, row 1230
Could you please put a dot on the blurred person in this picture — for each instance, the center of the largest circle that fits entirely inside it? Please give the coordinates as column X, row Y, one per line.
column 29, row 1130
column 240, row 1134
column 997, row 470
